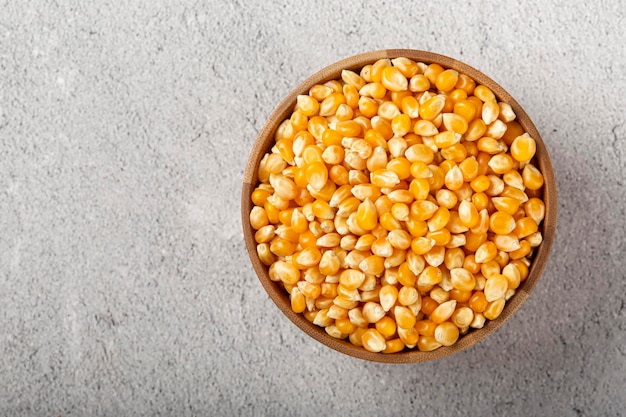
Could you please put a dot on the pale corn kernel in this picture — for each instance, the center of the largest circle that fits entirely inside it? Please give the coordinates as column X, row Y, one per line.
column 407, row 295
column 373, row 341
column 351, row 279
column 506, row 112
column 431, row 275
column 400, row 196
column 507, row 243
column 462, row 279
column 490, row 145
column 535, row 239
column 397, row 147
column 454, row 179
column 439, row 294
column 409, row 337
column 373, row 312
column 352, row 78
column 486, row 252
column 478, row 321
column 265, row 254
column 370, row 283
column 356, row 317
column 495, row 287
column 435, row 256
column 313, row 275
column 496, row 129
column 462, row 317
column 501, row 163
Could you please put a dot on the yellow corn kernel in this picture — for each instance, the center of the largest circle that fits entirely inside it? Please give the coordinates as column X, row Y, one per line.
column 367, row 217
column 443, row 312
column 475, row 130
column 480, row 183
column 523, row 148
column 427, row 344
column 388, row 295
column 494, row 309
column 258, row 218
column 367, row 106
column 468, row 214
column 439, row 219
column 501, row 223
column 405, row 276
column 455, row 123
column 446, row 80
column 372, row 265
column 384, row 178
column 404, row 317
column 441, row 237
column 322, row 210
column 486, row 252
column 386, row 326
column 432, row 107
column 535, row 209
column 533, row 179
column 265, row 254
column 329, row 263
column 512, row 275
column 419, row 83
column 393, row 80
column 308, row 257
column 466, row 110
column 490, row 145
column 431, row 275
column 447, row 138
column 507, row 205
column 422, row 245
column 525, row 226
column 490, row 268
column 507, row 243
column 308, row 105
column 446, row 334
column 373, row 90
column 351, row 279
column 523, row 250
column 484, row 93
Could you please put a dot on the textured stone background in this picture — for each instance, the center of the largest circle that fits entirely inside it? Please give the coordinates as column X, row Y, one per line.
column 124, row 284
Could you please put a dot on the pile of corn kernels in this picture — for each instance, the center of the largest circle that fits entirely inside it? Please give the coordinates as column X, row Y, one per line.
column 400, row 206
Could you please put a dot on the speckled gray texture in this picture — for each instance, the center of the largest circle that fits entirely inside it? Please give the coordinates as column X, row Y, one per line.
column 124, row 284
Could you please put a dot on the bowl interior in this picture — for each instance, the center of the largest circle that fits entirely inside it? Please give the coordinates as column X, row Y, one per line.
column 265, row 141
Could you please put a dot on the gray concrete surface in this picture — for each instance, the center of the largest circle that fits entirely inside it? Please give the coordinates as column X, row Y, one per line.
column 124, row 284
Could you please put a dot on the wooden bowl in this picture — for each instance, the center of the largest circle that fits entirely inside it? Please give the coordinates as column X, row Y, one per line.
column 265, row 141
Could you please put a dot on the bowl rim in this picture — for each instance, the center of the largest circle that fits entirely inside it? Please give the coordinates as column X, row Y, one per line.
column 265, row 141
